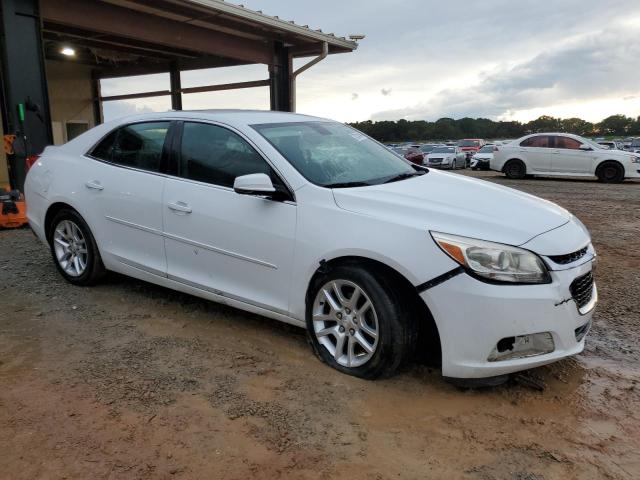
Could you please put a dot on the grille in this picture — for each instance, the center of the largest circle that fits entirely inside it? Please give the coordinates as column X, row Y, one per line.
column 435, row 160
column 581, row 289
column 569, row 257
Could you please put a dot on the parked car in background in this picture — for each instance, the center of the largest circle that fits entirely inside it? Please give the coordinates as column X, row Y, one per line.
column 451, row 157
column 564, row 154
column 427, row 148
column 471, row 145
column 310, row 222
column 481, row 160
column 611, row 145
column 635, row 145
column 414, row 155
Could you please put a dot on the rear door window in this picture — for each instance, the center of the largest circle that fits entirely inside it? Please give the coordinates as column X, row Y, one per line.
column 140, row 145
column 539, row 141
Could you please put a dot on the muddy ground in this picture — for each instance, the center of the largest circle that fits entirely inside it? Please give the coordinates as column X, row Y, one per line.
column 126, row 380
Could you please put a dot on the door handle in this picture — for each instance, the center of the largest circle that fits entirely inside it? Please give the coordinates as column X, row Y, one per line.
column 180, row 207
column 94, row 185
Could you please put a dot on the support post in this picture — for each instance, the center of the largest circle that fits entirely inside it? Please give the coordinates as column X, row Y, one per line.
column 97, row 103
column 175, row 86
column 280, row 78
column 23, row 83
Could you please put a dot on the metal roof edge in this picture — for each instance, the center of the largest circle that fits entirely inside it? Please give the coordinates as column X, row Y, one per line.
column 259, row 17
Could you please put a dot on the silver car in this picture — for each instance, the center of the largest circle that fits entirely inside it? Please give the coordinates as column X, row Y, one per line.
column 450, row 157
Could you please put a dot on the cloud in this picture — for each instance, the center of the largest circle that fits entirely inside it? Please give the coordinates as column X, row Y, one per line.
column 118, row 109
column 584, row 68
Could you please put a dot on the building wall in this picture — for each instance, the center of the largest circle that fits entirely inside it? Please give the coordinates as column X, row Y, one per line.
column 69, row 97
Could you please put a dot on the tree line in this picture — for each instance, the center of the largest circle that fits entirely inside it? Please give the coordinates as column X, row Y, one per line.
column 448, row 128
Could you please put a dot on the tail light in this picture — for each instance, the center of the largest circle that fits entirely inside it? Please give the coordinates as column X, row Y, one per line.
column 29, row 161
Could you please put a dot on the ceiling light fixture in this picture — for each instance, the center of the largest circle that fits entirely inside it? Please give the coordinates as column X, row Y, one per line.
column 68, row 51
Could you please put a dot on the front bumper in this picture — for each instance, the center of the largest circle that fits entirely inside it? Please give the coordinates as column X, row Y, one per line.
column 473, row 316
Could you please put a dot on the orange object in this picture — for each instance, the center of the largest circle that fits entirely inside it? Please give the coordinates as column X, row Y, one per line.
column 8, row 144
column 13, row 219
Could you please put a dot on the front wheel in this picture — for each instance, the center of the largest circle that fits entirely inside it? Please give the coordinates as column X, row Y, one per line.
column 358, row 324
column 610, row 172
column 74, row 249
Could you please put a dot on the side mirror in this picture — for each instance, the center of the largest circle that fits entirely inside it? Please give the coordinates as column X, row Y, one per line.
column 586, row 148
column 254, row 184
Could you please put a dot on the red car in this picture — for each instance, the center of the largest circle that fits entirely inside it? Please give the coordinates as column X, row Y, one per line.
column 415, row 155
column 471, row 145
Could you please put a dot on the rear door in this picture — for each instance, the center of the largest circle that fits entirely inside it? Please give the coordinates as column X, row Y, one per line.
column 237, row 246
column 536, row 153
column 124, row 189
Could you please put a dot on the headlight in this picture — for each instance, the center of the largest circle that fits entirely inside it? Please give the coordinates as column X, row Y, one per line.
column 494, row 261
column 635, row 159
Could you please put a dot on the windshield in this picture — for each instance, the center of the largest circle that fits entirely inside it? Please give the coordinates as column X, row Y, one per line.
column 469, row 143
column 331, row 154
column 427, row 148
column 487, row 149
column 443, row 150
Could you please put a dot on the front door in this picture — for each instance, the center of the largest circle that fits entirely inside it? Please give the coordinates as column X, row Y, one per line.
column 235, row 245
column 568, row 158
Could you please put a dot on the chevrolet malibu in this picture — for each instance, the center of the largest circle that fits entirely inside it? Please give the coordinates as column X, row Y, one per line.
column 310, row 222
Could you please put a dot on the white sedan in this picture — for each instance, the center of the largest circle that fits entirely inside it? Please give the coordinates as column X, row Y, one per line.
column 563, row 154
column 310, row 222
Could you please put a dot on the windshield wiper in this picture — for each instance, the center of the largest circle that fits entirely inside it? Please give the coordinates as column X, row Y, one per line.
column 347, row 185
column 402, row 176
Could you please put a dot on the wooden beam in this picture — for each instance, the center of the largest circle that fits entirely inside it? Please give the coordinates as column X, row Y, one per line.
column 227, row 86
column 114, row 20
column 131, row 96
column 206, row 88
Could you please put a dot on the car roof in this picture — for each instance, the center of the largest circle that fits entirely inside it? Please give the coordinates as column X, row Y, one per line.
column 231, row 117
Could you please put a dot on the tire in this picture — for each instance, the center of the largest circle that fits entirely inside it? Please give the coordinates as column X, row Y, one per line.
column 79, row 262
column 389, row 317
column 515, row 170
column 454, row 165
column 610, row 172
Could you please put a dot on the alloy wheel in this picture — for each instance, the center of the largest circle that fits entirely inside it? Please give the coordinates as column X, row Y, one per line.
column 345, row 322
column 70, row 248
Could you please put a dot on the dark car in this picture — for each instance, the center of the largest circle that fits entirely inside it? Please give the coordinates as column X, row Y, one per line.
column 414, row 155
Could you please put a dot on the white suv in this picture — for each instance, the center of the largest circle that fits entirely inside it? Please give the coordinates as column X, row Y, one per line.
column 565, row 155
column 310, row 222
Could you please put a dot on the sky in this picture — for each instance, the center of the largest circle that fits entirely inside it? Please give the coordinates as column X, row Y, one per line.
column 427, row 59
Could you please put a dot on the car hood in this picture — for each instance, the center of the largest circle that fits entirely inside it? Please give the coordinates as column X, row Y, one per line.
column 440, row 155
column 458, row 205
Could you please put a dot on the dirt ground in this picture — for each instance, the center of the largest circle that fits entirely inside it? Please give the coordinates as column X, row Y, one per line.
column 126, row 380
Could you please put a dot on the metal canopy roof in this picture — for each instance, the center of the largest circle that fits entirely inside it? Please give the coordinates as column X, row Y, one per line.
column 128, row 37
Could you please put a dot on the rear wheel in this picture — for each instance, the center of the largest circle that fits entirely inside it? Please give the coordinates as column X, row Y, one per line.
column 74, row 249
column 610, row 172
column 515, row 169
column 358, row 324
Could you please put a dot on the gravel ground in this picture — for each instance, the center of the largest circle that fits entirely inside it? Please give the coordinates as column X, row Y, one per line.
column 128, row 380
